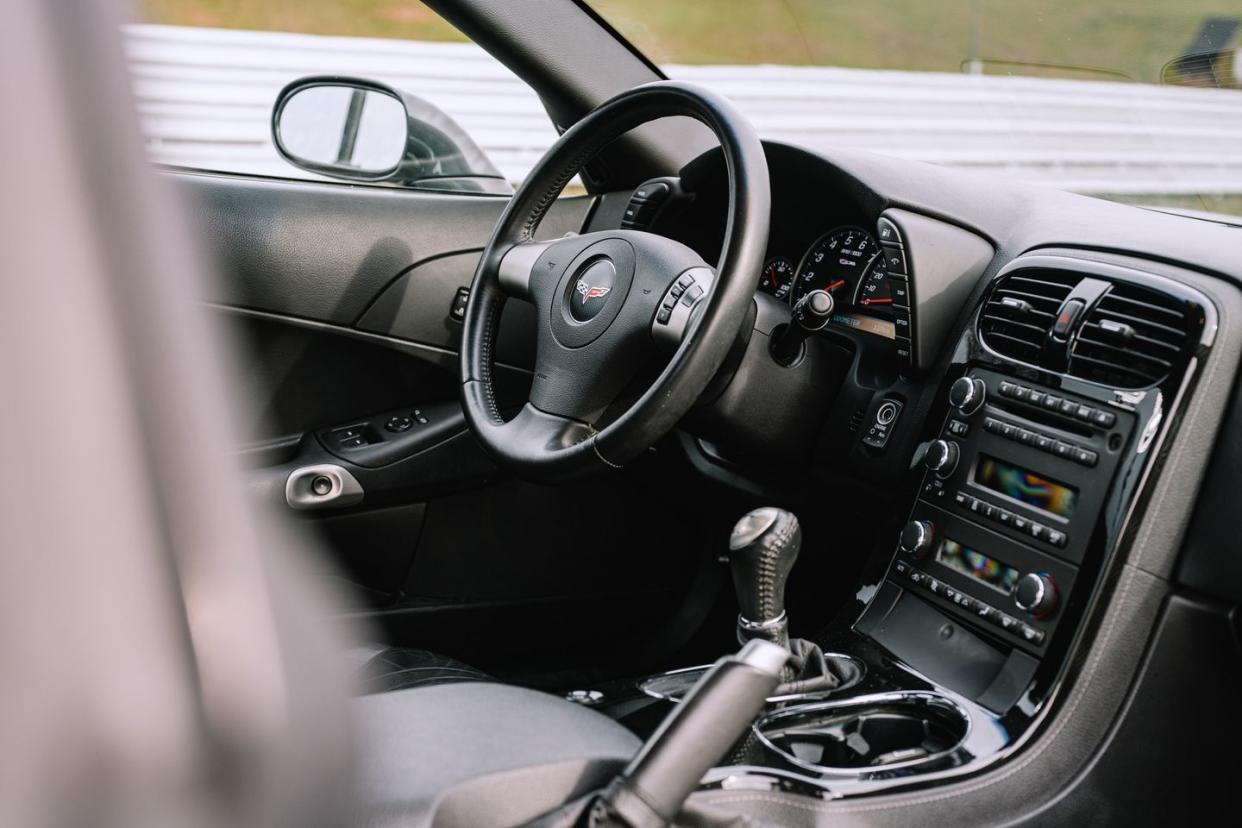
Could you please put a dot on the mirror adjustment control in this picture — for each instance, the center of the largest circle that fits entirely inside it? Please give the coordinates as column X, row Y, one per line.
column 967, row 394
column 1036, row 593
column 916, row 539
column 942, row 457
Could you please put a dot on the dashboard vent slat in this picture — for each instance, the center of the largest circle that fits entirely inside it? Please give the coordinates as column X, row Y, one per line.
column 1020, row 312
column 1132, row 338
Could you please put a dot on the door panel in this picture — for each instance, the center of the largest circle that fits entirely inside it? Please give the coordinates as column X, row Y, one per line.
column 341, row 297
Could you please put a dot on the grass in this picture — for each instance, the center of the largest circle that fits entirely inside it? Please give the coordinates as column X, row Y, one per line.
column 1132, row 37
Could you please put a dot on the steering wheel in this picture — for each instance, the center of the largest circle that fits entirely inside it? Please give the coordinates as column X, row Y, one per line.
column 607, row 303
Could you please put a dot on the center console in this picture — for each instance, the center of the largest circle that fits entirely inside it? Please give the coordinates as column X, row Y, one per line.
column 1050, row 416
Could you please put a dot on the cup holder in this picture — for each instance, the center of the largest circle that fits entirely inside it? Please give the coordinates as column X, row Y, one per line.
column 868, row 733
column 673, row 686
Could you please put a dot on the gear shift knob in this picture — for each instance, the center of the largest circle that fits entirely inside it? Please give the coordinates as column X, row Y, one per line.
column 762, row 550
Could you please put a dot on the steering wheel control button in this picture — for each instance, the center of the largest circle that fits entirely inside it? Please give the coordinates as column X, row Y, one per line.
column 883, row 421
column 967, row 394
column 916, row 539
column 591, row 288
column 942, row 457
column 399, row 424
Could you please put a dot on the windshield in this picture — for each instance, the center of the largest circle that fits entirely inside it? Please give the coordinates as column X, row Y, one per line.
column 1133, row 100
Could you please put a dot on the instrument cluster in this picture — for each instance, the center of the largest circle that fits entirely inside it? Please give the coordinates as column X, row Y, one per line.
column 845, row 262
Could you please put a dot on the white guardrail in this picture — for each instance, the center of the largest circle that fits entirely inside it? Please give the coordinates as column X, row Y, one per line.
column 205, row 98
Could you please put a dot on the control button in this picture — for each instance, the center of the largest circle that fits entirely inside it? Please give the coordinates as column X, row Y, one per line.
column 935, row 587
column 1005, row 516
column 355, row 442
column 1104, row 419
column 900, row 567
column 916, row 538
column 1085, row 457
column 676, row 291
column 1068, row 407
column 685, row 281
column 1069, row 314
column 419, row 417
column 1056, row 537
column 959, row 428
column 1036, row 397
column 967, row 394
column 664, row 315
column 1027, row 437
column 1007, row 389
column 987, row 613
column 399, row 424
column 882, row 423
column 900, row 291
column 1031, row 634
column 1037, row 531
column 901, row 324
column 651, row 190
column 1022, row 393
column 992, row 426
column 903, row 350
column 887, row 232
column 965, row 602
column 346, row 433
column 1020, row 523
column 321, row 485
column 1083, row 413
column 1009, row 430
column 987, row 510
column 962, row 499
column 692, row 295
column 1063, row 449
column 1044, row 443
column 1052, row 402
column 942, row 457
column 1036, row 593
column 457, row 310
column 1007, row 622
column 894, row 259
column 917, row 577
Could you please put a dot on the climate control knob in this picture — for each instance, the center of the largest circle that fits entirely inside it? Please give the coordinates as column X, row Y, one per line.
column 916, row 539
column 1036, row 593
column 942, row 457
column 966, row 394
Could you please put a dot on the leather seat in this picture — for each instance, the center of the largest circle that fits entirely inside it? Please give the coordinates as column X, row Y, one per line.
column 385, row 669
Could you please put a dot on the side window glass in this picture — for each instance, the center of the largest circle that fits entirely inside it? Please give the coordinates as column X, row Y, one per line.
column 446, row 115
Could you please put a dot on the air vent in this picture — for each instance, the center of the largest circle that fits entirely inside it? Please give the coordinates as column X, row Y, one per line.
column 1132, row 338
column 1020, row 312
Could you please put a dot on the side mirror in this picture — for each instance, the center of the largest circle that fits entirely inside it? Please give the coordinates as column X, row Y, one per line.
column 361, row 130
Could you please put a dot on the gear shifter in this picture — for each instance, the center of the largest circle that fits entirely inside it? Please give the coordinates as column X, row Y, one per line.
column 762, row 551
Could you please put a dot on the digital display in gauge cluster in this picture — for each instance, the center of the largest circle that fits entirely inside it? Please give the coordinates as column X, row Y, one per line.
column 846, row 263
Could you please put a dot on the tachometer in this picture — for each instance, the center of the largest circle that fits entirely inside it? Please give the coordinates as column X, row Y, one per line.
column 778, row 277
column 836, row 263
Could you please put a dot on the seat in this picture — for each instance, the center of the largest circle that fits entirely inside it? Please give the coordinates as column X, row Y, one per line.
column 477, row 753
column 385, row 669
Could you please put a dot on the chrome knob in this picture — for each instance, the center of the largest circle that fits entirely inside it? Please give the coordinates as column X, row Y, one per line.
column 967, row 394
column 942, row 457
column 1035, row 593
column 916, row 538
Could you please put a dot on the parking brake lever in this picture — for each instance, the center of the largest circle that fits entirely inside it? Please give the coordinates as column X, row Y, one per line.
column 694, row 737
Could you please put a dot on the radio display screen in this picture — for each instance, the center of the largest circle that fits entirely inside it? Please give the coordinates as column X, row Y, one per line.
column 977, row 565
column 1026, row 486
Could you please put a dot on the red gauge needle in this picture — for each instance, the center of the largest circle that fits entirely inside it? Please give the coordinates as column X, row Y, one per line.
column 877, row 301
column 835, row 284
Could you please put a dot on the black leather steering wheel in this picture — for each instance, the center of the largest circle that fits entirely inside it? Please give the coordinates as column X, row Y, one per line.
column 599, row 299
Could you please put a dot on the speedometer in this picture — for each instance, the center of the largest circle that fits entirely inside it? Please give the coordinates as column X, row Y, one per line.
column 874, row 293
column 836, row 263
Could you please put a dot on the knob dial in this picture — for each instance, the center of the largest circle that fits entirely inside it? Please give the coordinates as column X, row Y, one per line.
column 967, row 394
column 916, row 538
column 1036, row 593
column 942, row 457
